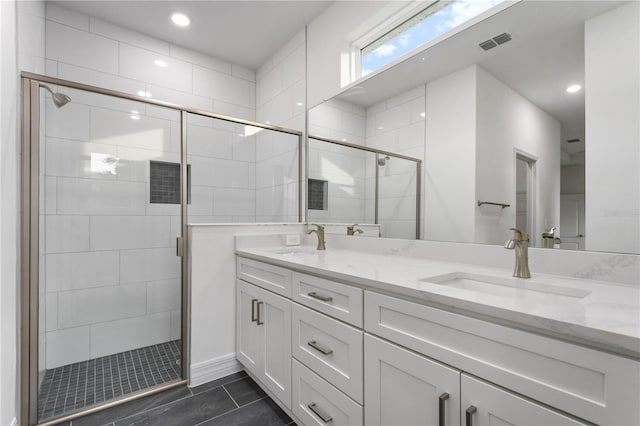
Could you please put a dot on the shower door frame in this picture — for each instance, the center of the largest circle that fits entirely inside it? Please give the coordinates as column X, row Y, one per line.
column 379, row 152
column 30, row 228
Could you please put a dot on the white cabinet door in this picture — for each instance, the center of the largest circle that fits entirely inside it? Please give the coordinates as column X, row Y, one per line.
column 248, row 333
column 274, row 316
column 263, row 337
column 403, row 388
column 484, row 405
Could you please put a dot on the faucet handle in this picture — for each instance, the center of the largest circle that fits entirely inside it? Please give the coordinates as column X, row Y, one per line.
column 519, row 234
column 320, row 227
column 352, row 227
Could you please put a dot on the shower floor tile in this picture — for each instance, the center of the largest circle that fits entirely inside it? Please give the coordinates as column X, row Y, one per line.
column 72, row 387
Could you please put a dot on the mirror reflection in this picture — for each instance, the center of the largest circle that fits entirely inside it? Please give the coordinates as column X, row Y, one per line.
column 539, row 132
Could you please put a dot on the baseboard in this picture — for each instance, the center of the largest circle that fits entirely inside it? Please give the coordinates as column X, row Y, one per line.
column 213, row 369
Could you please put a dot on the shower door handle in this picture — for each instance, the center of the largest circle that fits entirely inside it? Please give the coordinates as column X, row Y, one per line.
column 179, row 246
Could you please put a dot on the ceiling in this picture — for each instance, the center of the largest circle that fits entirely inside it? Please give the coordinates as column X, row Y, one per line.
column 545, row 56
column 242, row 32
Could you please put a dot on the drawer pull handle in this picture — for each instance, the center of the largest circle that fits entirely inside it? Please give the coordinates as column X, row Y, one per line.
column 258, row 320
column 320, row 297
column 253, row 310
column 318, row 347
column 470, row 412
column 441, row 401
column 324, row 417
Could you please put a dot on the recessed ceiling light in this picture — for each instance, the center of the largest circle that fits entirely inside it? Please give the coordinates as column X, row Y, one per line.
column 574, row 88
column 160, row 63
column 180, row 19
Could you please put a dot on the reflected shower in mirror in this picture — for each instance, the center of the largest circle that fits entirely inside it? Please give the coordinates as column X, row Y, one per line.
column 555, row 98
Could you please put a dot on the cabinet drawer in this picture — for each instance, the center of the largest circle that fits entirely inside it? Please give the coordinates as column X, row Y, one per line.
column 337, row 300
column 587, row 383
column 270, row 277
column 489, row 403
column 330, row 348
column 316, row 402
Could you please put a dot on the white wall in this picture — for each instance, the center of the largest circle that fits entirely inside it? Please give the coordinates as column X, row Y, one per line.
column 505, row 122
column 450, row 158
column 612, row 102
column 213, row 289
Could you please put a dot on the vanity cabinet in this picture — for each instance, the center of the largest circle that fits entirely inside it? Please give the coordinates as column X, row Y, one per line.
column 263, row 338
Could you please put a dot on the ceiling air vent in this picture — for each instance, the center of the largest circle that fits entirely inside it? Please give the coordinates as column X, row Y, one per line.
column 495, row 41
column 573, row 140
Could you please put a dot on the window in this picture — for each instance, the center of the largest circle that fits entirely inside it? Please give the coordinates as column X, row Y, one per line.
column 165, row 182
column 318, row 194
column 437, row 19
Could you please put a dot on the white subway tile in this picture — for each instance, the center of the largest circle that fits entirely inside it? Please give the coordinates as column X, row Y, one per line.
column 134, row 164
column 149, row 265
column 201, row 101
column 100, row 79
column 269, row 85
column 81, row 48
column 200, row 59
column 176, row 325
column 407, row 97
column 201, row 201
column 219, row 173
column 208, row 142
column 127, row 36
column 234, row 111
column 118, row 128
column 243, row 72
column 70, row 271
column 51, row 309
column 132, row 333
column 51, row 68
column 412, row 136
column 233, row 201
column 67, row 346
column 91, row 306
column 67, row 17
column 70, row 122
column 50, row 195
column 140, row 64
column 244, row 148
column 163, row 296
column 394, row 118
column 79, row 159
column 418, row 110
column 222, row 87
column 293, row 67
column 129, row 232
column 280, row 108
column 99, row 197
column 65, row 234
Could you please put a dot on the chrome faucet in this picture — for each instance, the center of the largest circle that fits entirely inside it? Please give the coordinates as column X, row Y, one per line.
column 352, row 230
column 520, row 242
column 320, row 233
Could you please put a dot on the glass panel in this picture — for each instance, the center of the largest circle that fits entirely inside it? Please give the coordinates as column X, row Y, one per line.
column 437, row 19
column 349, row 179
column 397, row 179
column 110, row 280
column 241, row 173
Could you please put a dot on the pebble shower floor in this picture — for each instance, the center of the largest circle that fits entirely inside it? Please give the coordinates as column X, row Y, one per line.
column 75, row 386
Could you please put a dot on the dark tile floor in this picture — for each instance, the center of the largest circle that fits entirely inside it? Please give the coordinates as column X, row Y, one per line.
column 235, row 400
column 75, row 386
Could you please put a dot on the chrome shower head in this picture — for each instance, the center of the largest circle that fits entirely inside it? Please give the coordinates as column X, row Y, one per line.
column 59, row 99
column 383, row 161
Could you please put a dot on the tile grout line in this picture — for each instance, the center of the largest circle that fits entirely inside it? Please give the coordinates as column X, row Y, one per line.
column 231, row 411
column 234, row 401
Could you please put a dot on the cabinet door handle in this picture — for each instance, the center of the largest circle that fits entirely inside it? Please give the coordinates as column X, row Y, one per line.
column 320, row 297
column 258, row 320
column 320, row 348
column 318, row 412
column 253, row 310
column 470, row 412
column 441, row 401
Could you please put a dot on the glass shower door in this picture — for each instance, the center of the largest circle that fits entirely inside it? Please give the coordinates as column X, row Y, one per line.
column 109, row 278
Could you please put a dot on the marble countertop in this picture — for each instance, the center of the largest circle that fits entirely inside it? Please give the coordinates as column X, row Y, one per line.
column 601, row 315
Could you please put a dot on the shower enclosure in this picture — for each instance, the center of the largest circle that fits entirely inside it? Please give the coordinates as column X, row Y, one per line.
column 110, row 182
column 355, row 184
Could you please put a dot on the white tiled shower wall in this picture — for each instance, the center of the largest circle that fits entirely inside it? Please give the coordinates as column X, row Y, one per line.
column 107, row 291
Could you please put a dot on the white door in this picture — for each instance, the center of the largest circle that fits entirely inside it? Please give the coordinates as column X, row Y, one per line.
column 484, row 405
column 274, row 317
column 248, row 333
column 572, row 221
column 403, row 388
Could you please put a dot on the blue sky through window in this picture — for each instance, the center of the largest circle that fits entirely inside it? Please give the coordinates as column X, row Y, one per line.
column 434, row 25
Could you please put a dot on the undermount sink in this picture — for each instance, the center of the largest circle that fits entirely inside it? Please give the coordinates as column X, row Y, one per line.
column 505, row 287
column 294, row 251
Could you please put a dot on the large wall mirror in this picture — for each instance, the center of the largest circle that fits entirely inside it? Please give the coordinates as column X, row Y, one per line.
column 527, row 118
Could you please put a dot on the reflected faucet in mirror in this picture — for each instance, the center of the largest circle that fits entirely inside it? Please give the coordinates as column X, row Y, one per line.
column 352, row 230
column 520, row 242
column 320, row 233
